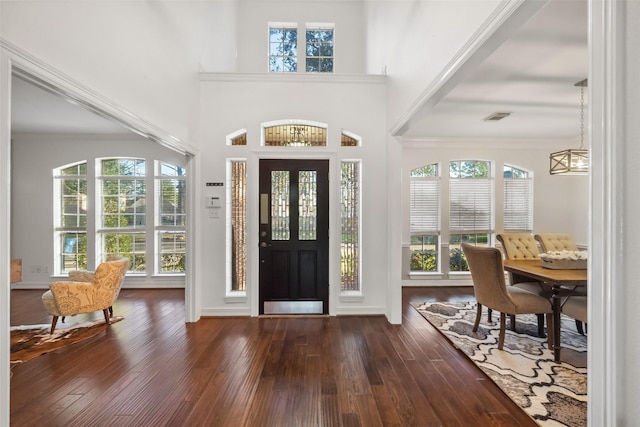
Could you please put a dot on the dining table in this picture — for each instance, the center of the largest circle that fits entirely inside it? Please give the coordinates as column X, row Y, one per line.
column 562, row 281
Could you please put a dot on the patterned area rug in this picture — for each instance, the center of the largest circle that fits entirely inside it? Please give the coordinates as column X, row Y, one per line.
column 30, row 341
column 553, row 394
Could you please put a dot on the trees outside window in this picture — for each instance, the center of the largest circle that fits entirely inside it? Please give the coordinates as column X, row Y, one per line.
column 153, row 240
column 283, row 48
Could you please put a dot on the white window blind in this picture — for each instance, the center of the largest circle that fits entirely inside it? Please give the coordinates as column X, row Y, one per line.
column 471, row 204
column 425, row 205
column 518, row 204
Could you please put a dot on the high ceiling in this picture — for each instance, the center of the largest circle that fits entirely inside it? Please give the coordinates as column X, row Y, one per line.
column 530, row 75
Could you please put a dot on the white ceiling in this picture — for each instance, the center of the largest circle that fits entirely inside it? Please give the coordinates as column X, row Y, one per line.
column 530, row 75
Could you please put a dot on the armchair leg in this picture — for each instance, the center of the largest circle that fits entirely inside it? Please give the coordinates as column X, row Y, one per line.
column 53, row 324
column 489, row 312
column 111, row 311
column 512, row 318
column 579, row 327
column 106, row 316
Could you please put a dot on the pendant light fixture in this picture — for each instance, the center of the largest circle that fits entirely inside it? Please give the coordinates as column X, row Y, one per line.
column 572, row 161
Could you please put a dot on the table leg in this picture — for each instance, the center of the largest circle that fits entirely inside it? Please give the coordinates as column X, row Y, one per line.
column 555, row 301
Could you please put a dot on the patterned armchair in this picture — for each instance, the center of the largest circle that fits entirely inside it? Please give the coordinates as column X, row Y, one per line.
column 93, row 292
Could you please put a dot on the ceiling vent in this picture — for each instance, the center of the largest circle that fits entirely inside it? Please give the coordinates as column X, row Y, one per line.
column 496, row 116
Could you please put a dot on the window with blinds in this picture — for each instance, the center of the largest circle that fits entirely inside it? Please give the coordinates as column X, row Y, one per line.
column 470, row 197
column 471, row 208
column 518, row 200
column 424, row 193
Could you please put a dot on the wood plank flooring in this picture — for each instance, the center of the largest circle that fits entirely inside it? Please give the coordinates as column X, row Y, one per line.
column 153, row 369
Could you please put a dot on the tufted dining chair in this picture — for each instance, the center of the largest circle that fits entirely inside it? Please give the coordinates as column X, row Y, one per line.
column 576, row 307
column 524, row 246
column 98, row 291
column 491, row 291
column 556, row 242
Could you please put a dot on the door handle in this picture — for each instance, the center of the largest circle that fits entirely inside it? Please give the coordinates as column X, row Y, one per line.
column 264, row 245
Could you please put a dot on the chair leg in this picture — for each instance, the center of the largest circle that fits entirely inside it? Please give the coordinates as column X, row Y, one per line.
column 489, row 312
column 106, row 316
column 512, row 318
column 579, row 327
column 541, row 325
column 503, row 320
column 53, row 324
column 550, row 330
column 478, row 316
column 111, row 311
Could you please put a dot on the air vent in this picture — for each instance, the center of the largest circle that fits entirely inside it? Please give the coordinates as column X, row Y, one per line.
column 496, row 116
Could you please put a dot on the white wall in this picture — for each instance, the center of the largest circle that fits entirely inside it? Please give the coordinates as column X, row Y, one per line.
column 355, row 105
column 414, row 41
column 140, row 55
column 33, row 159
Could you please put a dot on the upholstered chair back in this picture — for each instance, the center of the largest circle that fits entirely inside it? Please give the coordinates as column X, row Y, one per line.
column 556, row 242
column 519, row 245
column 108, row 279
column 487, row 273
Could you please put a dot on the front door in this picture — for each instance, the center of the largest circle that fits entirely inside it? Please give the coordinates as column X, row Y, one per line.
column 294, row 236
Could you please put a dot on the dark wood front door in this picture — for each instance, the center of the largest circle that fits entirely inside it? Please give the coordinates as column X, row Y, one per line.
column 294, row 236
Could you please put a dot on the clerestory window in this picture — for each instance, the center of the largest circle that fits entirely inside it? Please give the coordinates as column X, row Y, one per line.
column 283, row 48
column 319, row 50
column 317, row 53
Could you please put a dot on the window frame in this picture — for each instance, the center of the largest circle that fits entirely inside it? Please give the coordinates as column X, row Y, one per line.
column 284, row 27
column 430, row 207
column 178, row 228
column 60, row 227
column 519, row 209
column 319, row 27
column 472, row 181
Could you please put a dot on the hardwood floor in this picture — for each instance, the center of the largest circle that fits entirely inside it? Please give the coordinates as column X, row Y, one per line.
column 152, row 369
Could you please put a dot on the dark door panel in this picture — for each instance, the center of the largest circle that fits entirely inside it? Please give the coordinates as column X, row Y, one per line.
column 294, row 236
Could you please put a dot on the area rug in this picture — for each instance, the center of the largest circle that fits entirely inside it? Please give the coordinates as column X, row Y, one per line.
column 553, row 394
column 29, row 341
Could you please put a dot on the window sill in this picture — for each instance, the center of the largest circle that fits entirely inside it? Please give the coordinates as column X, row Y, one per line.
column 236, row 298
column 426, row 276
column 351, row 297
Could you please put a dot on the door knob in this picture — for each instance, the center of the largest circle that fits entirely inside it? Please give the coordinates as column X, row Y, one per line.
column 264, row 244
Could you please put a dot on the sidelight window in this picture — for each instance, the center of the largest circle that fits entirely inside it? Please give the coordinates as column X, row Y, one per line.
column 350, row 227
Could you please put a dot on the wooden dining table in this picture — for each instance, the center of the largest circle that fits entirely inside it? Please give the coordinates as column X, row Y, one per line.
column 560, row 281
